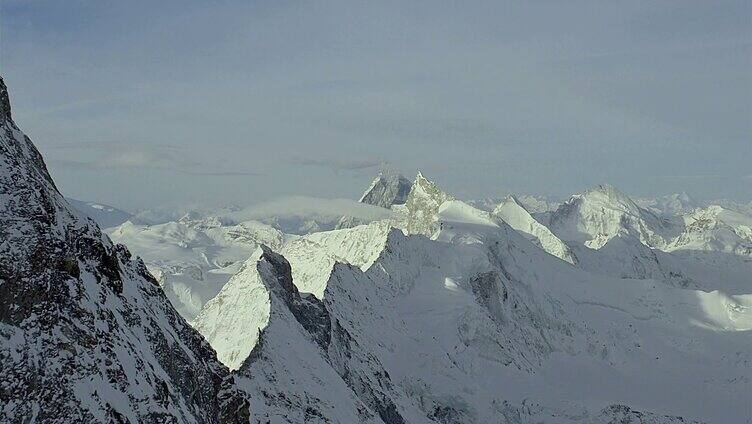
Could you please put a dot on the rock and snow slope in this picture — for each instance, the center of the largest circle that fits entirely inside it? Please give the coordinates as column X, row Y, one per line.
column 86, row 334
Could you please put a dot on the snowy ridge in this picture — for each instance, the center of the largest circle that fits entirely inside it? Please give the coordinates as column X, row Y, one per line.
column 313, row 257
column 520, row 219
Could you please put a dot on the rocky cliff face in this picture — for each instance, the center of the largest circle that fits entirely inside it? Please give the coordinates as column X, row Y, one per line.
column 86, row 334
column 386, row 190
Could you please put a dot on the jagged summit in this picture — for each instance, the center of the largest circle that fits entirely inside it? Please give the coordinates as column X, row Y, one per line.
column 423, row 204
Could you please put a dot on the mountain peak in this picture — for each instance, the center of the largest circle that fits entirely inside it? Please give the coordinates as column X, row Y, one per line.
column 4, row 102
column 608, row 190
column 423, row 187
column 607, row 194
column 387, row 189
column 514, row 200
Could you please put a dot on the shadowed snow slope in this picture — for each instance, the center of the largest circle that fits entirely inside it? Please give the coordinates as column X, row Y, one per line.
column 86, row 334
column 514, row 214
column 105, row 216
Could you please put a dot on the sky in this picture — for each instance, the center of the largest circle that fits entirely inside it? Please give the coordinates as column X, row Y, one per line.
column 144, row 104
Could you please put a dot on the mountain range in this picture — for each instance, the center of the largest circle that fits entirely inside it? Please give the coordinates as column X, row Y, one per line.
column 598, row 309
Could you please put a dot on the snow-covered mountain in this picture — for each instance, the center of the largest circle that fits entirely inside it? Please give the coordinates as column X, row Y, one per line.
column 193, row 258
column 86, row 334
column 611, row 235
column 474, row 324
column 672, row 204
column 597, row 215
column 105, row 216
column 716, row 229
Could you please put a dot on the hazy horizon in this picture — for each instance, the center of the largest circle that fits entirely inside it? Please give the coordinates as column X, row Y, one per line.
column 141, row 105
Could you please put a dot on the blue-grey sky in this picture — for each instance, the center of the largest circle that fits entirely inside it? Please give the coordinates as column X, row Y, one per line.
column 141, row 104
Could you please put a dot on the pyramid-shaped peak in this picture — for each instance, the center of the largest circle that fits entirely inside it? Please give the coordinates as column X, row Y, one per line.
column 387, row 189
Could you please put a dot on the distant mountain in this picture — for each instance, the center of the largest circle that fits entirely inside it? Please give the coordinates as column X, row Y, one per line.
column 86, row 333
column 386, row 190
column 594, row 217
column 105, row 216
column 673, row 204
column 717, row 229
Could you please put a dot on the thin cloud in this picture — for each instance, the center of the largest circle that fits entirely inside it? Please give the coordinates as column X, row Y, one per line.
column 691, row 177
column 163, row 158
column 225, row 173
column 340, row 164
column 311, row 207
